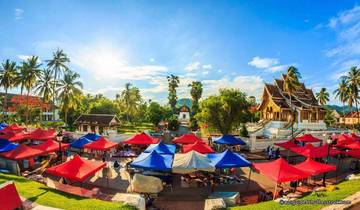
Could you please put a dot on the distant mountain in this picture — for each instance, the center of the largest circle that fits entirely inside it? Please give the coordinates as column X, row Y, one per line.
column 340, row 109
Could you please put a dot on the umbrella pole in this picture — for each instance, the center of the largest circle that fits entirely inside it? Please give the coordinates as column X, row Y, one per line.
column 337, row 168
column 249, row 179
column 275, row 190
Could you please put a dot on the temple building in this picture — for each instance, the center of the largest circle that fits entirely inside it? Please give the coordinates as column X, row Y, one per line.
column 275, row 108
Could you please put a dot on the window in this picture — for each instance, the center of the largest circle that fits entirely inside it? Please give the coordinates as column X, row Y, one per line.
column 184, row 116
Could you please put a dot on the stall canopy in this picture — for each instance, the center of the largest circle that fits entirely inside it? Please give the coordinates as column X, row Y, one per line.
column 3, row 124
column 153, row 161
column 191, row 162
column 287, row 144
column 40, row 134
column 354, row 153
column 101, row 144
column 315, row 152
column 14, row 136
column 161, row 148
column 92, row 136
column 76, row 169
column 313, row 167
column 21, row 152
column 12, row 128
column 187, row 139
column 229, row 140
column 79, row 143
column 307, row 138
column 198, row 147
column 9, row 197
column 50, row 146
column 5, row 145
column 354, row 136
column 141, row 139
column 228, row 159
column 343, row 139
column 353, row 145
column 280, row 171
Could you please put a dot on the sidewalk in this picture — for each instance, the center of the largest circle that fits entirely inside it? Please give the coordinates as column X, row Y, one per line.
column 34, row 206
column 355, row 199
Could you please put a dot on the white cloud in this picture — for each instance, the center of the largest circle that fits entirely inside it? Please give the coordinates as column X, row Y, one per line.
column 193, row 66
column 152, row 60
column 207, row 66
column 18, row 13
column 277, row 68
column 263, row 63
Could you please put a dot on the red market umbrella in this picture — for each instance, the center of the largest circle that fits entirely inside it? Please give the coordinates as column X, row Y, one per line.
column 21, row 152
column 313, row 167
column 12, row 128
column 198, row 147
column 343, row 139
column 13, row 136
column 50, row 146
column 141, row 139
column 315, row 152
column 40, row 134
column 353, row 145
column 307, row 138
column 76, row 169
column 280, row 171
column 187, row 139
column 9, row 197
column 101, row 144
column 287, row 144
column 354, row 153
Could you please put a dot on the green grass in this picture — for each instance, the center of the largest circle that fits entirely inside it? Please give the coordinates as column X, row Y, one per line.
column 133, row 129
column 39, row 193
column 345, row 189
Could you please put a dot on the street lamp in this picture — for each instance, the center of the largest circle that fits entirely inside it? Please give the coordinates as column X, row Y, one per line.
column 329, row 142
column 59, row 138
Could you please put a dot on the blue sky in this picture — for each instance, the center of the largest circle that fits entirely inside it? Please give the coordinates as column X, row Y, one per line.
column 239, row 44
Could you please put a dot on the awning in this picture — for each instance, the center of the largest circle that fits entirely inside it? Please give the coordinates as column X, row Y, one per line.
column 5, row 145
column 228, row 159
column 12, row 128
column 161, row 148
column 287, row 144
column 353, row 145
column 79, row 143
column 198, row 147
column 101, row 144
column 50, row 146
column 76, row 169
column 40, row 134
column 315, row 152
column 344, row 139
column 141, row 139
column 92, row 136
column 22, row 152
column 191, row 162
column 313, row 167
column 307, row 138
column 354, row 153
column 280, row 171
column 9, row 197
column 229, row 140
column 153, row 161
column 187, row 139
column 14, row 136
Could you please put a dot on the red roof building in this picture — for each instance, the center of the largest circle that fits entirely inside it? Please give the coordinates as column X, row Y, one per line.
column 199, row 147
column 313, row 167
column 187, row 139
column 76, row 169
column 101, row 144
column 141, row 139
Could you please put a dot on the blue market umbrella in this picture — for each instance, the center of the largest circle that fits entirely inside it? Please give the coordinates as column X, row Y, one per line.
column 79, row 143
column 228, row 159
column 161, row 148
column 92, row 136
column 153, row 161
column 229, row 140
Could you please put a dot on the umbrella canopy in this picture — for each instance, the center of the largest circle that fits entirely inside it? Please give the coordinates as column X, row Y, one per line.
column 5, row 145
column 101, row 144
column 187, row 139
column 307, row 138
column 141, row 139
column 12, row 128
column 229, row 140
column 79, row 144
column 161, row 148
column 40, row 134
column 3, row 124
column 191, row 162
column 354, row 136
column 50, row 146
column 353, row 145
column 14, row 136
column 344, row 139
column 315, row 152
column 228, row 159
column 92, row 136
column 354, row 153
column 22, row 152
column 198, row 147
column 280, row 171
column 153, row 161
column 313, row 167
column 287, row 144
column 9, row 197
column 76, row 169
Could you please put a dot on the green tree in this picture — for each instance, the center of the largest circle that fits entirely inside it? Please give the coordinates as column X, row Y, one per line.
column 130, row 101
column 58, row 65
column 329, row 118
column 154, row 113
column 31, row 74
column 44, row 85
column 104, row 106
column 322, row 96
column 196, row 93
column 341, row 93
column 225, row 111
column 243, row 131
column 69, row 89
column 8, row 75
column 173, row 82
column 291, row 84
column 353, row 82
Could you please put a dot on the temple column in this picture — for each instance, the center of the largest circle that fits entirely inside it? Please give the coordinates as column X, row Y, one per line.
column 299, row 116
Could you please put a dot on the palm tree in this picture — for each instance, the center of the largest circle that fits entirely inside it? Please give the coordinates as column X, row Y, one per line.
column 8, row 75
column 353, row 82
column 44, row 85
column 173, row 84
column 322, row 96
column 19, row 79
column 31, row 72
column 291, row 84
column 195, row 92
column 341, row 92
column 58, row 65
column 69, row 89
column 130, row 99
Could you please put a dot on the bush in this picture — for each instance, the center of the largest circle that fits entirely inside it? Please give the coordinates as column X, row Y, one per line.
column 173, row 124
column 243, row 131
